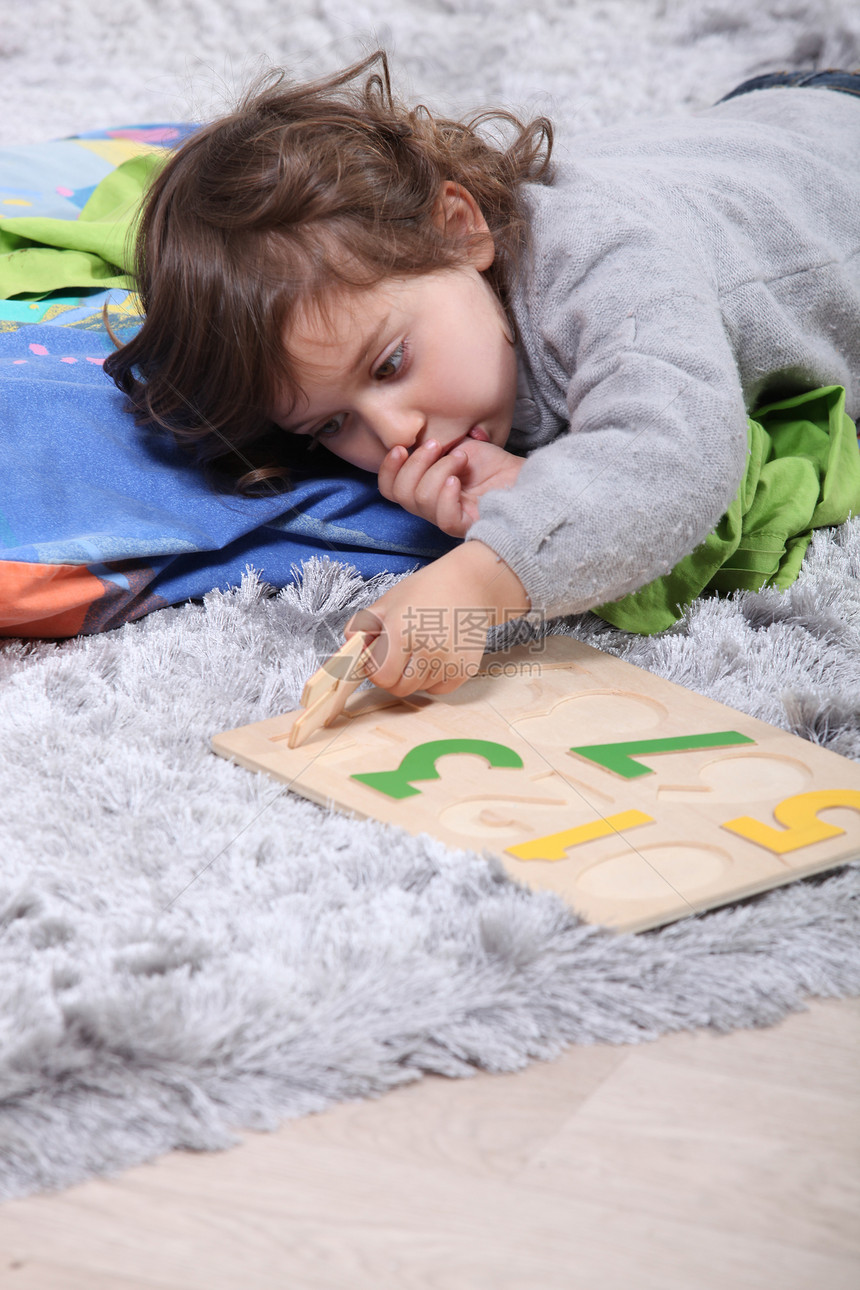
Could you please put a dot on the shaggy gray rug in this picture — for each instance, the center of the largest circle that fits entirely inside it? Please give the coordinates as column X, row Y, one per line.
column 185, row 948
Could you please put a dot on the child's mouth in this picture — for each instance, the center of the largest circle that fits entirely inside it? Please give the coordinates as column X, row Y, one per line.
column 476, row 432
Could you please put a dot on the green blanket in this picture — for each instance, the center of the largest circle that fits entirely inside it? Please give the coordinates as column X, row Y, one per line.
column 803, row 473
column 40, row 255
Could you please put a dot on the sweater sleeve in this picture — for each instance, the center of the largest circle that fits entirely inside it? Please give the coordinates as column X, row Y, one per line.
column 656, row 437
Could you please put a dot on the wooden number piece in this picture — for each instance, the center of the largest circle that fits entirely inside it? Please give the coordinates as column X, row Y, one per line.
column 619, row 757
column 555, row 846
column 420, row 763
column 799, row 815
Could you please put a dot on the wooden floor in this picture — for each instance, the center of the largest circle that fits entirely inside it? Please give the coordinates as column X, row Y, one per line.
column 692, row 1163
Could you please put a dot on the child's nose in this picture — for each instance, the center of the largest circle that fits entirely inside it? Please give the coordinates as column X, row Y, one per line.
column 398, row 427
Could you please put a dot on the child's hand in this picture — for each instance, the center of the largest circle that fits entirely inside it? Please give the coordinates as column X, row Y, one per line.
column 444, row 489
column 430, row 628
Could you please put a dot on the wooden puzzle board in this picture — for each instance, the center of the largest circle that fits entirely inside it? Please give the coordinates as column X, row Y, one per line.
column 636, row 800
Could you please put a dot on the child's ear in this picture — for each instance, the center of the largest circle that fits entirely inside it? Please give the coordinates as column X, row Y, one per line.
column 458, row 215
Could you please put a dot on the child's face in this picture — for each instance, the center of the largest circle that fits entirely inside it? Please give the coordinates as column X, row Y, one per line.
column 407, row 361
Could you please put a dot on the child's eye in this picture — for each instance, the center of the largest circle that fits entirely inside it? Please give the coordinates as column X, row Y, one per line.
column 330, row 427
column 391, row 365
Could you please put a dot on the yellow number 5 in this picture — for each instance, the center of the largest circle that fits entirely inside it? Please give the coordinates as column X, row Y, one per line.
column 799, row 815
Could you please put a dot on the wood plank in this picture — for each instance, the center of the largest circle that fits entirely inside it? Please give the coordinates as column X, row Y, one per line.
column 817, row 1049
column 345, row 1220
column 739, row 1155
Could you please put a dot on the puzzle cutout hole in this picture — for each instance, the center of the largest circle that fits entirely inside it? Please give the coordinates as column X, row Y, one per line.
column 749, row 777
column 590, row 716
column 643, row 874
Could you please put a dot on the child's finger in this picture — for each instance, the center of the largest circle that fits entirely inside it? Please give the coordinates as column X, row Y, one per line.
column 364, row 620
column 432, row 482
column 389, row 665
column 389, row 651
column 389, row 470
column 410, row 474
column 431, row 485
column 449, row 508
column 400, row 475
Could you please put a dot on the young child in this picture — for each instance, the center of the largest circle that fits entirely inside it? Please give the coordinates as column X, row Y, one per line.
column 554, row 364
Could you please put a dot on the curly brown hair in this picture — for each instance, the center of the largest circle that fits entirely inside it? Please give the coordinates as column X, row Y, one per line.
column 301, row 189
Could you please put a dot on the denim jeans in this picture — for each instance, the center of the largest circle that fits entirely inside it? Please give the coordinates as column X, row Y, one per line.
column 847, row 82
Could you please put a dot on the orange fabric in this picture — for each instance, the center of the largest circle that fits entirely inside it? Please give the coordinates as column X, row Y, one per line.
column 46, row 600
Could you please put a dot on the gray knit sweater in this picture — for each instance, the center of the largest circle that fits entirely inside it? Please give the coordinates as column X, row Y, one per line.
column 681, row 272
